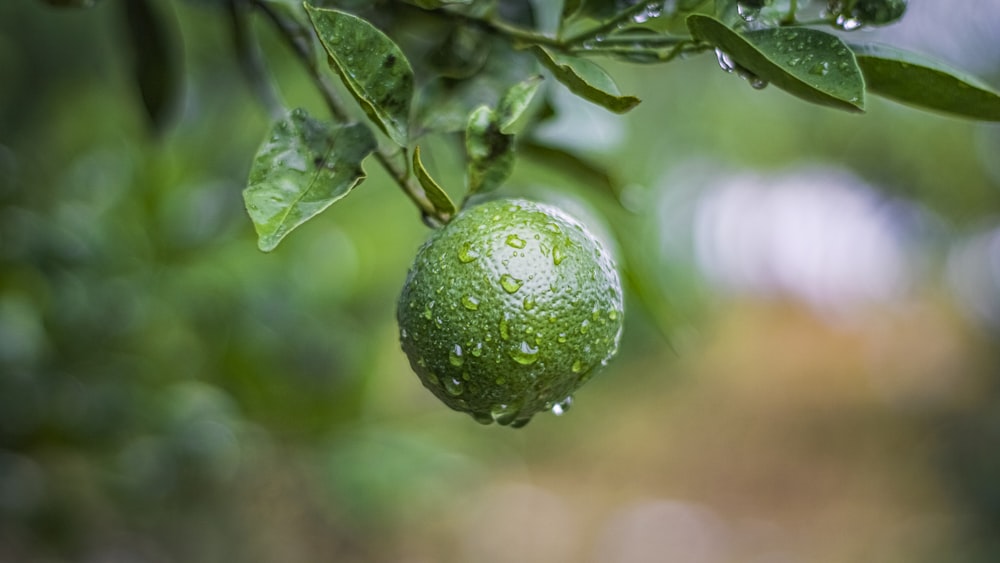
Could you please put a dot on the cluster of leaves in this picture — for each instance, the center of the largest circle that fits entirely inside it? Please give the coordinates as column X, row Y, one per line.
column 479, row 74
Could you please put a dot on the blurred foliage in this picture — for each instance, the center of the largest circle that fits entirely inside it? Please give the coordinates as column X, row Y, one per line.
column 169, row 393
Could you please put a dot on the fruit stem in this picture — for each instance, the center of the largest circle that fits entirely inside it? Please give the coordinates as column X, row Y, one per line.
column 298, row 38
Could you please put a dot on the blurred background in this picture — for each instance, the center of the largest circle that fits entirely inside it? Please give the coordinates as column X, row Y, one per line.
column 809, row 370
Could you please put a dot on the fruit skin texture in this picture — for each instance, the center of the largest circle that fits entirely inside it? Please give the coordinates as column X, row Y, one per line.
column 508, row 309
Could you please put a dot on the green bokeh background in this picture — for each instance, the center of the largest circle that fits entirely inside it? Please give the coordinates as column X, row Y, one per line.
column 170, row 393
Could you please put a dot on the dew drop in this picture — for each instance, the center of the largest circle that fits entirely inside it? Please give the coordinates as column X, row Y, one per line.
column 525, row 354
column 403, row 334
column 467, row 254
column 482, row 418
column 557, row 255
column 820, row 69
column 726, row 62
column 453, row 386
column 470, row 302
column 515, row 241
column 477, row 350
column 577, row 366
column 455, row 356
column 585, row 326
column 433, row 378
column 561, row 338
column 504, row 328
column 529, row 303
column 427, row 313
column 510, row 284
column 613, row 315
column 504, row 414
column 562, row 406
column 500, row 380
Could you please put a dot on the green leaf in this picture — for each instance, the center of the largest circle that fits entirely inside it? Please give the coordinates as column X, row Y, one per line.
column 808, row 63
column 516, row 101
column 435, row 193
column 372, row 67
column 581, row 169
column 302, row 168
column 154, row 64
column 434, row 4
column 919, row 81
column 490, row 152
column 586, row 79
column 71, row 3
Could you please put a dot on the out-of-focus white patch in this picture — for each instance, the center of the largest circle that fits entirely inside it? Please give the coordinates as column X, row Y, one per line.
column 818, row 235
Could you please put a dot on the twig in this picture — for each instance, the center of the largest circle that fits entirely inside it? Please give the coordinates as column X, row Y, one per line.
column 300, row 41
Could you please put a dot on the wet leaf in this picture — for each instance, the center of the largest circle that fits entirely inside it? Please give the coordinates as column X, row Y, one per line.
column 372, row 67
column 154, row 64
column 808, row 63
column 490, row 152
column 303, row 167
column 435, row 193
column 516, row 101
column 922, row 82
column 586, row 79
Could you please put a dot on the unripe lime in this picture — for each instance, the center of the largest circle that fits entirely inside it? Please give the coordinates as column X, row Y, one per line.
column 508, row 309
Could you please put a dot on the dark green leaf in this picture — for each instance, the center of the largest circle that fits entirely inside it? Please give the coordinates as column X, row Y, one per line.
column 434, row 4
column 515, row 101
column 586, row 79
column 71, row 3
column 914, row 79
column 372, row 67
column 490, row 152
column 154, row 63
column 581, row 169
column 302, row 168
column 435, row 193
column 811, row 64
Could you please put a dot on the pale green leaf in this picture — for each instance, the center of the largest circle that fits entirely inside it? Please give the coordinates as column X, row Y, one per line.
column 302, row 168
column 435, row 193
column 586, row 79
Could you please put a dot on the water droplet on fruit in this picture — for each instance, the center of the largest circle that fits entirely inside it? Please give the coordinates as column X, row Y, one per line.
column 455, row 357
column 482, row 418
column 453, row 386
column 585, row 326
column 504, row 328
column 504, row 414
column 557, row 255
column 525, row 354
column 427, row 312
column 470, row 302
column 433, row 378
column 477, row 350
column 562, row 406
column 403, row 334
column 500, row 380
column 562, row 338
column 529, row 303
column 467, row 254
column 613, row 315
column 515, row 241
column 510, row 284
column 577, row 366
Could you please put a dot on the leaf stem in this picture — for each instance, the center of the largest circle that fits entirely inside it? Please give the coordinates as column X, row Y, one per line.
column 793, row 7
column 299, row 39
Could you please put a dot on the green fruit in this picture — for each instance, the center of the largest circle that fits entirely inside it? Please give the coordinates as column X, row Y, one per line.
column 508, row 309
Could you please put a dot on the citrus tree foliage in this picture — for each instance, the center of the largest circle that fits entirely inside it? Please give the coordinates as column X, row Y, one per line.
column 482, row 70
